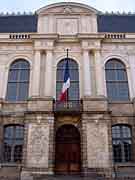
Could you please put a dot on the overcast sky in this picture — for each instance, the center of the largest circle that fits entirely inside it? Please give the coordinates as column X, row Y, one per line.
column 33, row 5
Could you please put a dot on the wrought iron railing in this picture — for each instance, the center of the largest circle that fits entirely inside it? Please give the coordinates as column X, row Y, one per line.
column 68, row 106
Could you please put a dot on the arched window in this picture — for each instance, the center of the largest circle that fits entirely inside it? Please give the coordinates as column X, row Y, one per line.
column 13, row 143
column 116, row 81
column 73, row 91
column 18, row 81
column 122, row 143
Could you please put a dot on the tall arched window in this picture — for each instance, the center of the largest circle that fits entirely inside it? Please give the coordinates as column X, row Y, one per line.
column 18, row 81
column 13, row 143
column 116, row 81
column 122, row 143
column 73, row 91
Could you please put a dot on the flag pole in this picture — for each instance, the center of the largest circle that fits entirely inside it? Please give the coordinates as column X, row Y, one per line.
column 67, row 62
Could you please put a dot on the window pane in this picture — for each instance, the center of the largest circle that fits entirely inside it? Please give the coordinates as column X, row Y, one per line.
column 110, row 75
column 121, row 75
column 60, row 75
column 23, row 64
column 126, row 132
column 8, row 132
column 74, row 75
column 116, row 132
column 19, row 132
column 112, row 91
column 18, row 153
column 23, row 91
column 13, row 75
column 58, row 90
column 7, row 152
column 15, row 65
column 127, row 150
column 122, row 89
column 117, row 151
column 122, row 143
column 13, row 145
column 73, row 92
column 11, row 91
column 24, row 75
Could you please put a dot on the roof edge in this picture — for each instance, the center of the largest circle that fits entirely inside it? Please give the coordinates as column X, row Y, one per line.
column 54, row 5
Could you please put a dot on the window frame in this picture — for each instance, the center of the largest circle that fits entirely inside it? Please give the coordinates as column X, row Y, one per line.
column 118, row 83
column 13, row 140
column 76, row 81
column 121, row 139
column 18, row 82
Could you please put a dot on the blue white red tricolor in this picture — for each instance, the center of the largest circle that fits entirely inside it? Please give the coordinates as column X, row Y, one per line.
column 66, row 84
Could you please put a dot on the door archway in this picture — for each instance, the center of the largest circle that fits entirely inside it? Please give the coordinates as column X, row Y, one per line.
column 68, row 151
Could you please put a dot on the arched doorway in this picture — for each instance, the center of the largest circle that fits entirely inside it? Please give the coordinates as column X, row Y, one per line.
column 67, row 154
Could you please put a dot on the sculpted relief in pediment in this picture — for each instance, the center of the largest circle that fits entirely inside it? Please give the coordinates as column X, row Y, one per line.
column 67, row 19
column 66, row 8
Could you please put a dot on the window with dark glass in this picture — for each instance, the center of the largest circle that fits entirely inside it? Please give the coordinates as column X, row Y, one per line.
column 18, row 81
column 73, row 91
column 116, row 81
column 122, row 143
column 13, row 143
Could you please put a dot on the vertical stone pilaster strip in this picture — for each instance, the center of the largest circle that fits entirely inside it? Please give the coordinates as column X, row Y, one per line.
column 99, row 73
column 130, row 75
column 1, row 139
column 24, row 159
column 51, row 159
column 84, row 145
column 2, row 82
column 48, row 74
column 86, row 73
column 36, row 74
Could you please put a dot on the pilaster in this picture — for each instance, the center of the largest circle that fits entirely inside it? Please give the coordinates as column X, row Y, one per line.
column 131, row 74
column 3, row 83
column 36, row 74
column 48, row 73
column 86, row 73
column 99, row 73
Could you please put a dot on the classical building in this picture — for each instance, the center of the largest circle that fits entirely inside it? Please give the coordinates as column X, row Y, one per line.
column 93, row 133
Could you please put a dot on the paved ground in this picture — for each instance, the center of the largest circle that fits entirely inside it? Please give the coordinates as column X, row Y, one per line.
column 62, row 177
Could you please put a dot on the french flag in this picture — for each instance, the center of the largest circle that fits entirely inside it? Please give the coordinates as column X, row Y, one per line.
column 66, row 85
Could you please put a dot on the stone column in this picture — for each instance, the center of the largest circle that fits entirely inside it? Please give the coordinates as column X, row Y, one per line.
column 99, row 74
column 86, row 73
column 36, row 74
column 2, row 82
column 131, row 74
column 48, row 74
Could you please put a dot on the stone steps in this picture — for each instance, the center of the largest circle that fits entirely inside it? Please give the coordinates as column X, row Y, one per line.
column 68, row 177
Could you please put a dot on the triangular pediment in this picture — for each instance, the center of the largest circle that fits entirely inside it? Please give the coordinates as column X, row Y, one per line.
column 67, row 8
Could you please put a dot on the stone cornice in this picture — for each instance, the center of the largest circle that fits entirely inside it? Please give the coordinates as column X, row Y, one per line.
column 44, row 36
column 91, row 36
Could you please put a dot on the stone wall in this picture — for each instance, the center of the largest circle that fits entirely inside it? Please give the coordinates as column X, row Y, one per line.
column 38, row 145
column 97, row 145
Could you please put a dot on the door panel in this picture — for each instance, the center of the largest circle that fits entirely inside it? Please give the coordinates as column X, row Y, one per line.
column 67, row 159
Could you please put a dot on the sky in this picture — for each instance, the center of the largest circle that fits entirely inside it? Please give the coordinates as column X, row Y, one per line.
column 33, row 5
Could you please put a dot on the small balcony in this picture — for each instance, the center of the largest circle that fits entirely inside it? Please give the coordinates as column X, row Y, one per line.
column 69, row 107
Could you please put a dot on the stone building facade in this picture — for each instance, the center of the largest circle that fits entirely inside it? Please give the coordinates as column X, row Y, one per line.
column 93, row 132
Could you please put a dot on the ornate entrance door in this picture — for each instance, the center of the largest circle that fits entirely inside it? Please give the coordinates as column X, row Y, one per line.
column 67, row 158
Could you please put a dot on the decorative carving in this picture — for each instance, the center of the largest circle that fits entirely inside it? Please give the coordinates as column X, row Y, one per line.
column 67, row 10
column 67, row 26
column 38, row 140
column 98, row 153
